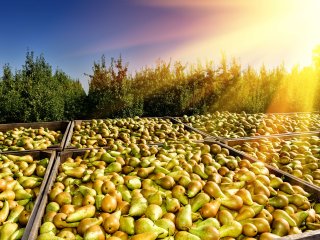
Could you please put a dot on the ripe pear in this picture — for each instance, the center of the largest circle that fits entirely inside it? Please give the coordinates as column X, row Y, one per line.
column 184, row 218
column 249, row 230
column 146, row 225
column 154, row 212
column 280, row 227
column 184, row 235
column 210, row 209
column 138, row 207
column 155, row 198
column 86, row 223
column 166, row 224
column 232, row 229
column 278, row 213
column 206, row 232
column 199, row 200
column 151, row 235
column 95, row 232
column 127, row 224
column 172, row 205
column 179, row 192
column 245, row 195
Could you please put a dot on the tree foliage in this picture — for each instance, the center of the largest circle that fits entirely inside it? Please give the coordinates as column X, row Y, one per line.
column 34, row 93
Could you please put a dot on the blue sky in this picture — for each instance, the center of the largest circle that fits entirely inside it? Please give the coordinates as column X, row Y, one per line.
column 73, row 34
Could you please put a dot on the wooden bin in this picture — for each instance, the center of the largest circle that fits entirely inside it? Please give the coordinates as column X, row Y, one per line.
column 73, row 123
column 37, row 155
column 62, row 126
column 315, row 191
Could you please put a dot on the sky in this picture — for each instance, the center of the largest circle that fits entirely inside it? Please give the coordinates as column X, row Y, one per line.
column 73, row 34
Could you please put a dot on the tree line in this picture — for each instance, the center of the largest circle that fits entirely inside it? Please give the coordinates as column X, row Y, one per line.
column 37, row 93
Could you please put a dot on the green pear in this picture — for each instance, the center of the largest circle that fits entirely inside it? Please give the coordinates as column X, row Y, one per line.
column 183, row 235
column 127, row 224
column 199, row 200
column 166, row 224
column 184, row 218
column 138, row 207
column 233, row 229
column 206, row 232
column 208, row 222
column 146, row 225
column 154, row 212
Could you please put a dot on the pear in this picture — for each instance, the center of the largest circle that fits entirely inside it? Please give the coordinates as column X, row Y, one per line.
column 245, row 195
column 95, row 232
column 194, row 187
column 268, row 236
column 146, row 225
column 65, row 234
column 154, row 212
column 144, row 172
column 199, row 200
column 280, row 227
column 249, row 230
column 127, row 224
column 132, row 182
column 172, row 205
column 87, row 211
column 86, row 223
column 7, row 229
column 279, row 201
column 287, row 188
column 261, row 224
column 113, row 167
column 225, row 217
column 166, row 182
column 199, row 169
column 48, row 227
column 209, row 221
column 111, row 223
column 166, row 224
column 210, row 209
column 155, row 198
column 121, row 235
column 151, row 235
column 213, row 190
column 178, row 192
column 109, row 203
column 278, row 213
column 183, row 235
column 184, row 181
column 233, row 202
column 245, row 214
column 300, row 217
column 184, row 218
column 206, row 232
column 232, row 229
column 138, row 207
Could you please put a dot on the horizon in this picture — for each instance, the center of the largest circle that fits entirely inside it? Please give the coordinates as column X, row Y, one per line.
column 73, row 35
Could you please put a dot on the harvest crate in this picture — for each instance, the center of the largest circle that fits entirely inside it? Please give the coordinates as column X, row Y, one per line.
column 62, row 126
column 172, row 120
column 37, row 155
column 313, row 190
column 236, row 141
column 33, row 230
column 290, row 115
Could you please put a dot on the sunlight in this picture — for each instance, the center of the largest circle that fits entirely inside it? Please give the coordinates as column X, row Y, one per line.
column 261, row 34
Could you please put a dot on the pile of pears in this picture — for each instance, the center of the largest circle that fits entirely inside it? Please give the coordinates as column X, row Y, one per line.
column 20, row 180
column 298, row 156
column 20, row 139
column 191, row 191
column 103, row 133
column 237, row 125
